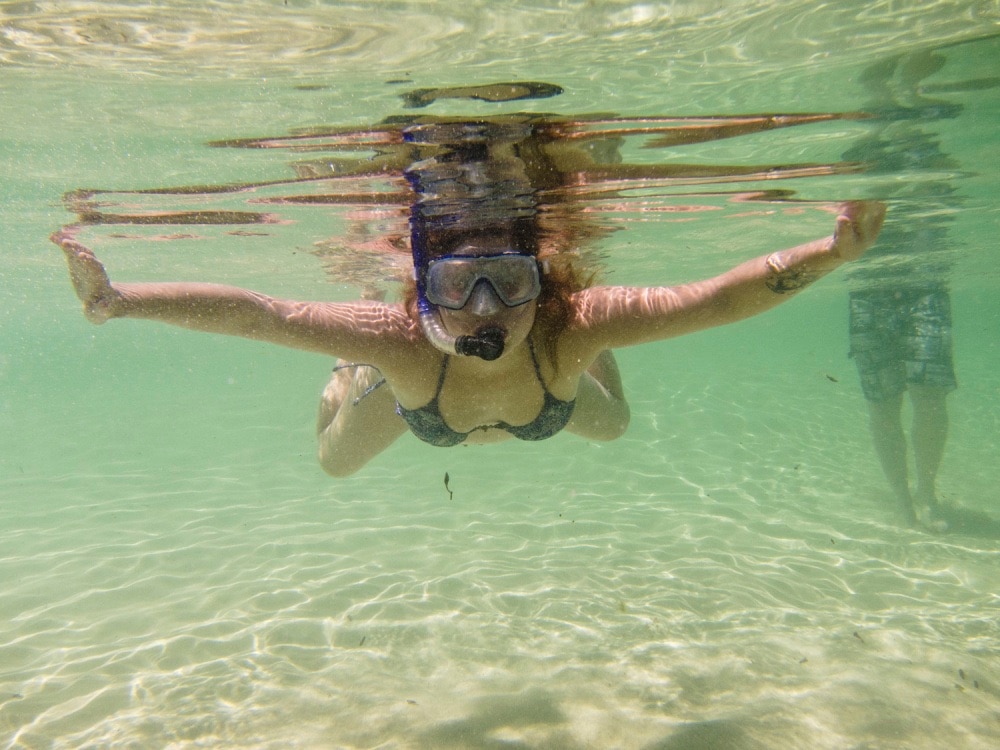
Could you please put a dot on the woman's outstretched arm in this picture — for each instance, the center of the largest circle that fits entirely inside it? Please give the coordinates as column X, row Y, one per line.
column 351, row 330
column 610, row 317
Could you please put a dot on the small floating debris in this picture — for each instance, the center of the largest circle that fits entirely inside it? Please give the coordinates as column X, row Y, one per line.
column 491, row 92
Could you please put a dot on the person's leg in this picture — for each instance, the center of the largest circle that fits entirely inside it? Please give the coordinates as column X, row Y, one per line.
column 930, row 374
column 876, row 352
column 929, row 433
column 886, row 425
column 356, row 421
column 601, row 411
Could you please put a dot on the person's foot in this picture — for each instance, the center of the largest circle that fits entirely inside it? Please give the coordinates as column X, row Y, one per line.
column 88, row 276
column 927, row 517
column 905, row 505
column 945, row 503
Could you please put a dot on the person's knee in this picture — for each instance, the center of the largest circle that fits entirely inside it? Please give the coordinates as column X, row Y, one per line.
column 886, row 412
column 622, row 423
column 336, row 464
column 612, row 426
column 928, row 397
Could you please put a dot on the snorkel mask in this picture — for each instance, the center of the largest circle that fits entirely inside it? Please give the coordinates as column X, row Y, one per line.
column 450, row 281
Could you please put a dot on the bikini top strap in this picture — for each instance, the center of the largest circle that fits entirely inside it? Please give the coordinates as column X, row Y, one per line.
column 534, row 361
column 377, row 384
column 444, row 371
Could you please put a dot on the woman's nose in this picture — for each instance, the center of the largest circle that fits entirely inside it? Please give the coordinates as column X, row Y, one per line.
column 484, row 302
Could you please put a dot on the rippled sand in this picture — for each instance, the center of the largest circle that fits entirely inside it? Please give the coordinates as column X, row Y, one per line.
column 671, row 590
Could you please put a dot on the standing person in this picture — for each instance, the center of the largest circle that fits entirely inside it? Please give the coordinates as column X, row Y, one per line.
column 899, row 306
column 901, row 342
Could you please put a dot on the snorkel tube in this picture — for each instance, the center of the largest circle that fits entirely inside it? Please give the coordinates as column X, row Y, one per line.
column 486, row 343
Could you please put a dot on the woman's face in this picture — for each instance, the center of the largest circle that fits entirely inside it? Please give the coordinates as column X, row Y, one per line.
column 484, row 306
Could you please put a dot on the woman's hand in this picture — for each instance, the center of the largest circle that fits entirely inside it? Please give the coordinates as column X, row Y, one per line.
column 90, row 280
column 858, row 225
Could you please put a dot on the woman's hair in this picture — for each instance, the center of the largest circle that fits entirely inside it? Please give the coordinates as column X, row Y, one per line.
column 562, row 277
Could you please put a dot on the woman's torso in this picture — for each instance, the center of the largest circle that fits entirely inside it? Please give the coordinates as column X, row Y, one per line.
column 460, row 400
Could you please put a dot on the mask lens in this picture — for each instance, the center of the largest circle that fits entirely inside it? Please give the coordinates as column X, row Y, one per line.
column 451, row 280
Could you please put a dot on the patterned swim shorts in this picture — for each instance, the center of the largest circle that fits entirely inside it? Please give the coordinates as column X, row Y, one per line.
column 901, row 337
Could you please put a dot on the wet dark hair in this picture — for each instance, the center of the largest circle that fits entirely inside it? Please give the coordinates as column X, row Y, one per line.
column 561, row 279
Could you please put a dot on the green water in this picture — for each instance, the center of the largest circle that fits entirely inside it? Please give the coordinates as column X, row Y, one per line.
column 175, row 569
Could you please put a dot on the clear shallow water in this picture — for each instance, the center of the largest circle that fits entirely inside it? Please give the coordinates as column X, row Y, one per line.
column 177, row 572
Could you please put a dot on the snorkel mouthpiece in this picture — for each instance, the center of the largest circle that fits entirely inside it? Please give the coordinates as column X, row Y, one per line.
column 486, row 343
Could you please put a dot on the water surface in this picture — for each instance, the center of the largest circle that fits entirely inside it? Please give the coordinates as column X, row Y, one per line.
column 178, row 572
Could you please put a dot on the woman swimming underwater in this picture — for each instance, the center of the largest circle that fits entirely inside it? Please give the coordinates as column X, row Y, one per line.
column 498, row 335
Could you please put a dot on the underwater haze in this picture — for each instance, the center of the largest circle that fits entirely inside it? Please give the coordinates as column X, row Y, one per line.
column 176, row 571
